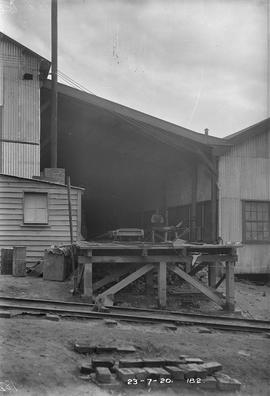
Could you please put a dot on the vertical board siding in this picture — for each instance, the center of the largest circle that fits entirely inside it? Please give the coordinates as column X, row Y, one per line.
column 21, row 160
column 21, row 111
column 257, row 147
column 244, row 174
column 36, row 238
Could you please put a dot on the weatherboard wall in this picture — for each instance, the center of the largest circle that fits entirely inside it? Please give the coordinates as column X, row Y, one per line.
column 20, row 132
column 13, row 232
column 244, row 174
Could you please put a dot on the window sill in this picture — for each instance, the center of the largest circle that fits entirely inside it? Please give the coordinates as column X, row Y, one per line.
column 35, row 225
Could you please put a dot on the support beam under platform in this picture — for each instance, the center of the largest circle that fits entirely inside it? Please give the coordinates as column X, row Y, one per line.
column 230, row 303
column 87, row 280
column 198, row 285
column 126, row 281
column 114, row 276
column 162, row 284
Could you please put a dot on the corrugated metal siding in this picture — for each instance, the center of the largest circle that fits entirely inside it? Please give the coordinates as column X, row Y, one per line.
column 21, row 159
column 244, row 174
column 21, row 108
column 35, row 238
column 257, row 147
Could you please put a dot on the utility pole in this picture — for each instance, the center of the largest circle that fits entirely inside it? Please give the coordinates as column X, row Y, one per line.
column 54, row 84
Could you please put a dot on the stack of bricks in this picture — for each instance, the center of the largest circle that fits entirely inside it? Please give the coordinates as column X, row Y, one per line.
column 154, row 371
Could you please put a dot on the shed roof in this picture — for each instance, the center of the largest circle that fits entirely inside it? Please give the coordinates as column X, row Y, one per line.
column 251, row 131
column 45, row 64
column 40, row 181
column 162, row 128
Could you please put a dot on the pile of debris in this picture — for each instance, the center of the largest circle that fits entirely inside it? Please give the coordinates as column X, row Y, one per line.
column 105, row 366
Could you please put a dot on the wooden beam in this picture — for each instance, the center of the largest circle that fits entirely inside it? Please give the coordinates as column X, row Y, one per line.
column 194, row 182
column 220, row 281
column 197, row 268
column 133, row 259
column 87, row 280
column 114, row 276
column 230, row 303
column 198, row 285
column 216, row 257
column 126, row 281
column 149, row 280
column 162, row 284
column 212, row 274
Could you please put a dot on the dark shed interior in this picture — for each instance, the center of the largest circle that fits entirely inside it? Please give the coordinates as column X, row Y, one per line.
column 123, row 163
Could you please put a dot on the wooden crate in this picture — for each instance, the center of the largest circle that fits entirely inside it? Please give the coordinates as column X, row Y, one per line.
column 55, row 267
column 19, row 261
column 6, row 261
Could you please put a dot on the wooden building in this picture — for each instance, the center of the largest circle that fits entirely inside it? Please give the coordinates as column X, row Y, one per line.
column 244, row 196
column 34, row 213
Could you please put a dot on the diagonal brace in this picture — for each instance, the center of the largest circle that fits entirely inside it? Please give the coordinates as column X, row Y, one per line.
column 198, row 285
column 112, row 277
column 126, row 281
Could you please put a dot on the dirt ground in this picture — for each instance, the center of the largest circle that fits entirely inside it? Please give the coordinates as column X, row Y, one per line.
column 37, row 354
column 251, row 299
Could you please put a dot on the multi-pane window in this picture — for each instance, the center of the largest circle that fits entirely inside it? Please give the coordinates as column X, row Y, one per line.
column 256, row 221
column 35, row 208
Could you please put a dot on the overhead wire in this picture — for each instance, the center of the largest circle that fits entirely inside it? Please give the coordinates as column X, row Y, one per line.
column 74, row 83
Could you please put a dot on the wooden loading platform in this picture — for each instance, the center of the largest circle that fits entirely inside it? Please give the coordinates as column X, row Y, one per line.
column 143, row 258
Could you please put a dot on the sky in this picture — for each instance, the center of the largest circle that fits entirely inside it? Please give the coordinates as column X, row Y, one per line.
column 196, row 63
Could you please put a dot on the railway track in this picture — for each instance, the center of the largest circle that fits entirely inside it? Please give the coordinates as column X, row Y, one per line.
column 85, row 311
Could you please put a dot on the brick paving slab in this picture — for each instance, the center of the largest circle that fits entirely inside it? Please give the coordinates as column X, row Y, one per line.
column 126, row 349
column 86, row 368
column 173, row 362
column 199, row 371
column 103, row 375
column 84, row 348
column 124, row 374
column 5, row 314
column 189, row 369
column 154, row 362
column 193, row 360
column 157, row 373
column 139, row 373
column 208, row 383
column 105, row 349
column 226, row 383
column 131, row 363
column 212, row 367
column 177, row 373
column 103, row 362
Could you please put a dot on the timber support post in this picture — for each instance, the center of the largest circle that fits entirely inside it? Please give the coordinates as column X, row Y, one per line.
column 88, row 278
column 194, row 202
column 230, row 302
column 214, row 200
column 162, row 284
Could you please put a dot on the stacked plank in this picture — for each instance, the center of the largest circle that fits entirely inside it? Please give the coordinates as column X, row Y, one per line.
column 152, row 372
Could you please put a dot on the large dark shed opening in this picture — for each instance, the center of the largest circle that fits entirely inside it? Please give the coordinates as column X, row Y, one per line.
column 128, row 167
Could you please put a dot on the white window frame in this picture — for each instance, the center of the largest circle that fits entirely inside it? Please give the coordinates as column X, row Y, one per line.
column 25, row 222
